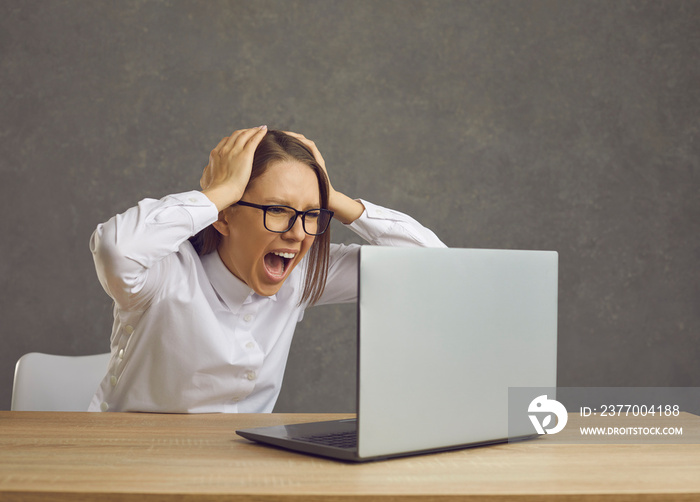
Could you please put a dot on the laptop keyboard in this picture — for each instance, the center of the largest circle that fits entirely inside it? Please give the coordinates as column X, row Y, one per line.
column 336, row 439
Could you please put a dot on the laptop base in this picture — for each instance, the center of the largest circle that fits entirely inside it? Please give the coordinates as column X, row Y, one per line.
column 305, row 438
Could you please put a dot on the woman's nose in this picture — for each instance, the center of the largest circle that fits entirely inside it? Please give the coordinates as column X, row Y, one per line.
column 295, row 233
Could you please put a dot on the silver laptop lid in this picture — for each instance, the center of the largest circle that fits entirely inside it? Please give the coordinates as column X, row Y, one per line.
column 444, row 333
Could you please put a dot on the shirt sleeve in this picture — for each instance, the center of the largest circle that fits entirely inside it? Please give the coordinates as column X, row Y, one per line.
column 379, row 226
column 128, row 245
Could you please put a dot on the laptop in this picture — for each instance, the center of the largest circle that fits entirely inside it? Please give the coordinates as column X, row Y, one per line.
column 443, row 333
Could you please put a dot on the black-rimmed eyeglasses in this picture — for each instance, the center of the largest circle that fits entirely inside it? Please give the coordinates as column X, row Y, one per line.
column 281, row 219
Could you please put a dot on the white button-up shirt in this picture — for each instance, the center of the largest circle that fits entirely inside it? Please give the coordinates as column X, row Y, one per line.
column 188, row 335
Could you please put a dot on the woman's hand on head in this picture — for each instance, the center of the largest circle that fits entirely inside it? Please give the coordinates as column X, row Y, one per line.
column 317, row 154
column 226, row 176
column 346, row 209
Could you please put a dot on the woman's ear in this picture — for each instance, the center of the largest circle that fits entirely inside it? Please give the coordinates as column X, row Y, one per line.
column 222, row 223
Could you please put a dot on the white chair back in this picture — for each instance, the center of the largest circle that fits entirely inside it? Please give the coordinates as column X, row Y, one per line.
column 45, row 382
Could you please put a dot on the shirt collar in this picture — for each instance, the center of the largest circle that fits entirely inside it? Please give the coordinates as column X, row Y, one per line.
column 230, row 288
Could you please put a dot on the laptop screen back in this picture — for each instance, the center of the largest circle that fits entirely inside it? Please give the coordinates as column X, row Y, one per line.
column 443, row 334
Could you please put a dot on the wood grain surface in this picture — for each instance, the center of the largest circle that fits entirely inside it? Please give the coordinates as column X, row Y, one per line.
column 152, row 457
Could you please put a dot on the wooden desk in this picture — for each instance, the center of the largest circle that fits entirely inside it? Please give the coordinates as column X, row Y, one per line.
column 114, row 456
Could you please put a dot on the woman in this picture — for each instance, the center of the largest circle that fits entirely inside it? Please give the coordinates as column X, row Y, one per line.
column 208, row 286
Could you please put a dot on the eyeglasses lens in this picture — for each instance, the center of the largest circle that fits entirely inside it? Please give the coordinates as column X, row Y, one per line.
column 281, row 219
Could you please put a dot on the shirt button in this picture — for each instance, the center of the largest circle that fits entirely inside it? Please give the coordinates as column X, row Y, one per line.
column 192, row 199
column 248, row 318
column 129, row 329
column 113, row 381
column 104, row 406
column 121, row 354
column 250, row 345
column 250, row 375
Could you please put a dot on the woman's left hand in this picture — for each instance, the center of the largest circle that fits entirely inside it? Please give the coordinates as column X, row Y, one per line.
column 317, row 155
column 346, row 209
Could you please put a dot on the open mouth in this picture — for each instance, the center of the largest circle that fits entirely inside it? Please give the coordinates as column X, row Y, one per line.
column 277, row 263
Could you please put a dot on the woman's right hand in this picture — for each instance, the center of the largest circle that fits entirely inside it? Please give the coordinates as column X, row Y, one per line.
column 226, row 177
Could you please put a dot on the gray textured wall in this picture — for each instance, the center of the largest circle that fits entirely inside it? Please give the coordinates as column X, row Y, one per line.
column 565, row 125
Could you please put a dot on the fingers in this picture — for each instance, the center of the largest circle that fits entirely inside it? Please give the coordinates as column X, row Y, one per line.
column 221, row 143
column 257, row 136
column 226, row 175
column 301, row 138
column 311, row 146
column 241, row 139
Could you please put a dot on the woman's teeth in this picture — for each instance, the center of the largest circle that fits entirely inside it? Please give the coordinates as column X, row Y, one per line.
column 288, row 256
